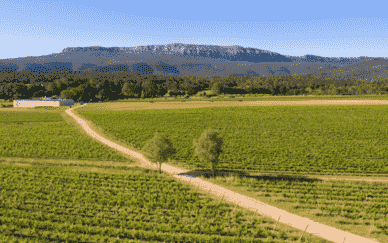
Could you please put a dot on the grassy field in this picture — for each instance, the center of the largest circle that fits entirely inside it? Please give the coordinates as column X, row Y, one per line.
column 59, row 185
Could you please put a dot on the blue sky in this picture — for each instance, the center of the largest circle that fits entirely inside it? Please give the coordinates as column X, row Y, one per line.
column 325, row 28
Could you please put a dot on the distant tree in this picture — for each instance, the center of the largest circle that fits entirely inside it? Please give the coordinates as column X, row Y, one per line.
column 55, row 88
column 67, row 94
column 105, row 93
column 333, row 90
column 71, row 93
column 190, row 87
column 159, row 148
column 18, row 91
column 52, row 89
column 149, row 89
column 131, row 89
column 191, row 91
column 309, row 90
column 208, row 147
column 87, row 92
column 35, row 90
column 279, row 88
column 40, row 93
column 321, row 90
column 217, row 88
column 6, row 91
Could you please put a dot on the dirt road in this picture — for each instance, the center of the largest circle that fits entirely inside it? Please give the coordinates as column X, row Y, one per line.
column 321, row 230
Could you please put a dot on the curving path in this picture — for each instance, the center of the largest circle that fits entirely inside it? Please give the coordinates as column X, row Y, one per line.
column 321, row 230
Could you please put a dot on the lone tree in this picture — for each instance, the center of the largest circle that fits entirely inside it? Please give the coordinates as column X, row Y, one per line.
column 159, row 148
column 208, row 147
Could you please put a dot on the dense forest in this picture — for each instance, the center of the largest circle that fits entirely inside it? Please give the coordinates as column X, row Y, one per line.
column 97, row 86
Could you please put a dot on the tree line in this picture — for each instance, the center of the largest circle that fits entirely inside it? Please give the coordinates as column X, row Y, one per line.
column 96, row 86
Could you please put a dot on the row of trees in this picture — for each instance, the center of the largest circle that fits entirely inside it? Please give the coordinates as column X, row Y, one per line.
column 207, row 148
column 113, row 86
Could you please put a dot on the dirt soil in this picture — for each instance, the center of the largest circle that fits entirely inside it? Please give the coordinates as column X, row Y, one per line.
column 321, row 230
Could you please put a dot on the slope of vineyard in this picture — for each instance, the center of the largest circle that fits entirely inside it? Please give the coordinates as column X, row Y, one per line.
column 319, row 139
column 41, row 204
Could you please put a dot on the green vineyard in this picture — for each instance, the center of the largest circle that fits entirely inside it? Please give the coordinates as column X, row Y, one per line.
column 41, row 204
column 320, row 139
column 45, row 135
column 348, row 203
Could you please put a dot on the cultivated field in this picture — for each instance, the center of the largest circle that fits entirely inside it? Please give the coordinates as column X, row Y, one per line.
column 58, row 204
column 317, row 139
column 59, row 185
column 44, row 133
column 340, row 133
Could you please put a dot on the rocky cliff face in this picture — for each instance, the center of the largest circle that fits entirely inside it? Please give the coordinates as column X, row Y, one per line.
column 177, row 58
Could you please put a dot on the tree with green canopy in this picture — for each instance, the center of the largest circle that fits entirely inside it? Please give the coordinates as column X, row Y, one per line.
column 159, row 148
column 208, row 147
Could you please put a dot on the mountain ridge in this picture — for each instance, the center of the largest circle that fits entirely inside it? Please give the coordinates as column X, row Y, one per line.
column 178, row 58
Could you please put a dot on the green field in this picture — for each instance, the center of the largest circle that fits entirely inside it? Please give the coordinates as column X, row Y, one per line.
column 59, row 185
column 358, row 207
column 274, row 146
column 43, row 133
column 315, row 139
column 41, row 204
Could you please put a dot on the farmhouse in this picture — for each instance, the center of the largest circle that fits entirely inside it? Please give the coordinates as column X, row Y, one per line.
column 43, row 102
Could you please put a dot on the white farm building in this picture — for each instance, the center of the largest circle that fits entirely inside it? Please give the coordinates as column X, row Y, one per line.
column 43, row 102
